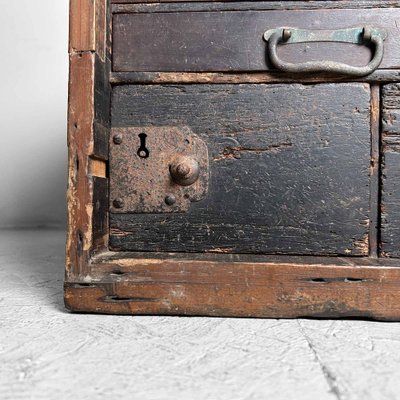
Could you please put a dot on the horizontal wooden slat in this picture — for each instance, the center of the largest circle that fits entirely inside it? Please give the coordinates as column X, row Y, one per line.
column 232, row 41
column 106, row 262
column 270, row 5
column 121, row 78
column 226, row 288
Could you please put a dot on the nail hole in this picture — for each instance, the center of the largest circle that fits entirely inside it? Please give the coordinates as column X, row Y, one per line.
column 117, row 272
column 353, row 279
column 80, row 243
column 116, row 298
column 320, row 280
column 84, row 285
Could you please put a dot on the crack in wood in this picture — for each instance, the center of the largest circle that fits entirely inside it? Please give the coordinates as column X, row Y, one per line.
column 234, row 152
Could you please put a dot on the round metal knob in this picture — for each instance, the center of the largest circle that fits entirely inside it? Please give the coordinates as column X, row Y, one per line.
column 184, row 171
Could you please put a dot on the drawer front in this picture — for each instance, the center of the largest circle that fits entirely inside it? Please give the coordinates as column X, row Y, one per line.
column 288, row 168
column 390, row 224
column 233, row 41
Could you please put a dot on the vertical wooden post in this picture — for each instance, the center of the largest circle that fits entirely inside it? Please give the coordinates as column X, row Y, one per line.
column 87, row 45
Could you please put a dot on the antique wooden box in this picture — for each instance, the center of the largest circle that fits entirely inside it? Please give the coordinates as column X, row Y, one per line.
column 234, row 158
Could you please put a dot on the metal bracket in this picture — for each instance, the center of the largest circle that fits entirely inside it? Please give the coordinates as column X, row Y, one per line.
column 348, row 35
column 156, row 169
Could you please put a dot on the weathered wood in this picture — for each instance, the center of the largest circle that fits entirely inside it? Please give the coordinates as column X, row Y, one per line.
column 101, row 136
column 100, row 212
column 289, row 168
column 294, row 168
column 374, row 217
column 97, row 168
column 87, row 122
column 121, row 78
column 80, row 146
column 102, row 10
column 233, row 41
column 82, row 26
column 102, row 91
column 178, row 286
column 88, row 26
column 151, row 5
column 102, row 105
column 391, row 170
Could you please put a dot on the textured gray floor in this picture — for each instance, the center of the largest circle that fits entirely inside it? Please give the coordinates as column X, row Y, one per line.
column 48, row 353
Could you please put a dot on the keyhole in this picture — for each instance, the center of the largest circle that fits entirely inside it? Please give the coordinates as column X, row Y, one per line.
column 143, row 152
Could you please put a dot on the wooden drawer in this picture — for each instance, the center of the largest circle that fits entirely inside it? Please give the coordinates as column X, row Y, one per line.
column 216, row 169
column 233, row 40
column 288, row 164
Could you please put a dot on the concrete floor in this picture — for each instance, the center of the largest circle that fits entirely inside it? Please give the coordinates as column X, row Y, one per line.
column 48, row 353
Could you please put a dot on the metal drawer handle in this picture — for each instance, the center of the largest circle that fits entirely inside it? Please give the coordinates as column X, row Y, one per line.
column 360, row 35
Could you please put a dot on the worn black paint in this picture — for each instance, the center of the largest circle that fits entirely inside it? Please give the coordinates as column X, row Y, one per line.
column 100, row 212
column 102, row 104
column 390, row 225
column 233, row 41
column 182, row 6
column 289, row 168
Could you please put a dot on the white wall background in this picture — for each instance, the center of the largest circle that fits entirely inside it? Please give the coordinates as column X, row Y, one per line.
column 33, row 111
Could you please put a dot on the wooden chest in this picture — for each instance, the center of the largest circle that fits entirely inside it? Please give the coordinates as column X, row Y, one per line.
column 234, row 158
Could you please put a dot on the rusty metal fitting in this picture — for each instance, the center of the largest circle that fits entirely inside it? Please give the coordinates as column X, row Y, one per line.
column 117, row 139
column 286, row 34
column 184, row 170
column 118, row 203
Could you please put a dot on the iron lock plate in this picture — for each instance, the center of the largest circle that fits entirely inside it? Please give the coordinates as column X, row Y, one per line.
column 156, row 169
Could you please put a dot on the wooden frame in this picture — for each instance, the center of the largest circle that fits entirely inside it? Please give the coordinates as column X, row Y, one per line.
column 98, row 280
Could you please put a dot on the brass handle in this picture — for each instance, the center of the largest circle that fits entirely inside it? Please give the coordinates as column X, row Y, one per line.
column 360, row 35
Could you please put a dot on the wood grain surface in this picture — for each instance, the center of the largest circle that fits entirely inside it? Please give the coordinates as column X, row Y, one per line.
column 192, row 285
column 289, row 168
column 87, row 137
column 294, row 167
column 267, row 5
column 391, row 170
column 121, row 78
column 233, row 41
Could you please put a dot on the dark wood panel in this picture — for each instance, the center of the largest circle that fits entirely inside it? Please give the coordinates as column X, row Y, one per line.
column 277, row 289
column 100, row 224
column 289, row 168
column 374, row 215
column 391, row 170
column 266, row 5
column 102, row 105
column 232, row 41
